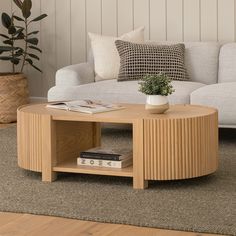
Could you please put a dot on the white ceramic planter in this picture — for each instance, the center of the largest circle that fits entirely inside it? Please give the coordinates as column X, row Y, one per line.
column 156, row 100
column 157, row 104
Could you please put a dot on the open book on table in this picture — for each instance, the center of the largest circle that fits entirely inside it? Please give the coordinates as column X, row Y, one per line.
column 85, row 106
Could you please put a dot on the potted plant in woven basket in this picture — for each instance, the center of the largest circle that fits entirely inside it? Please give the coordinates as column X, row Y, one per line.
column 13, row 85
column 157, row 88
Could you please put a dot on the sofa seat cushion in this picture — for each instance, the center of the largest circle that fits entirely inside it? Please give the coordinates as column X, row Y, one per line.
column 221, row 96
column 119, row 92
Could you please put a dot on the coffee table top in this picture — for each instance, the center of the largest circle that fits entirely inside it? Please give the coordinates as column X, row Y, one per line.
column 130, row 113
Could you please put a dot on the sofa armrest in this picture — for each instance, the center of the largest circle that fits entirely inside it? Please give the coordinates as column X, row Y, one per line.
column 74, row 75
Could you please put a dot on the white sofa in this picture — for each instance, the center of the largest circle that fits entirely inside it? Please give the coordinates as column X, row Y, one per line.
column 211, row 66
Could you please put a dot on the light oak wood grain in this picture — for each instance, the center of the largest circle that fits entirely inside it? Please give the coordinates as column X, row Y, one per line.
column 13, row 224
column 182, row 143
column 180, row 148
column 71, row 166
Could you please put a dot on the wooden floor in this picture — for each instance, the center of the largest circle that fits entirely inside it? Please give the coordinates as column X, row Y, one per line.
column 12, row 224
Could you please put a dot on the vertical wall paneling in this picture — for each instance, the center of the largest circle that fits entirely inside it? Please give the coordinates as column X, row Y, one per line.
column 175, row 20
column 191, row 20
column 63, row 33
column 158, row 20
column 209, row 20
column 226, row 24
column 34, row 76
column 234, row 20
column 93, row 18
column 141, row 15
column 78, row 31
column 109, row 17
column 125, row 16
column 5, row 5
column 48, row 45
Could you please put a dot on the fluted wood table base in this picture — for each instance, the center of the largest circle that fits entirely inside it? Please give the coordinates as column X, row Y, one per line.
column 180, row 144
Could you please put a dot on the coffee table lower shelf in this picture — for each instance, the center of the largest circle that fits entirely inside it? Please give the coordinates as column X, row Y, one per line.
column 70, row 166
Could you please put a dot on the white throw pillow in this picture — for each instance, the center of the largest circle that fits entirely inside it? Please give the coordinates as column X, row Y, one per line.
column 106, row 57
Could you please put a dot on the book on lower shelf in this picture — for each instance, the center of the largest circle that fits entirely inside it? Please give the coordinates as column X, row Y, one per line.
column 106, row 153
column 105, row 163
column 85, row 106
column 111, row 158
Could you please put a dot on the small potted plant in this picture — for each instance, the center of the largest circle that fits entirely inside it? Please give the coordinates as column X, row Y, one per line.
column 157, row 88
column 13, row 85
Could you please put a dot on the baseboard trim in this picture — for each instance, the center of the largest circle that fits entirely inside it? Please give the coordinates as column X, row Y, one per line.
column 227, row 126
column 37, row 99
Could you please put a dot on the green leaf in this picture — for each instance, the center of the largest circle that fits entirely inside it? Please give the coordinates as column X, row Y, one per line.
column 4, row 36
column 5, row 58
column 6, row 48
column 15, row 61
column 35, row 67
column 26, row 8
column 18, row 3
column 9, row 42
column 12, row 29
column 18, row 18
column 18, row 31
column 6, row 20
column 33, row 41
column 29, row 61
column 34, row 32
column 19, row 36
column 35, row 48
column 33, row 56
column 19, row 53
column 39, row 17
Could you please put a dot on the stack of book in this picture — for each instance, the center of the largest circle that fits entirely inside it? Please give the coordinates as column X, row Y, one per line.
column 110, row 158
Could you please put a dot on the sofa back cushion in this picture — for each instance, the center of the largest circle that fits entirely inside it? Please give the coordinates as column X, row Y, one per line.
column 201, row 60
column 227, row 63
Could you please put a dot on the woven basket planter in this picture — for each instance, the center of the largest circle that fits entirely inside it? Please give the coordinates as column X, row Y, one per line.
column 13, row 93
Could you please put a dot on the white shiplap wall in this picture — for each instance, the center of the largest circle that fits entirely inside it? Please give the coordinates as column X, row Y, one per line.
column 64, row 38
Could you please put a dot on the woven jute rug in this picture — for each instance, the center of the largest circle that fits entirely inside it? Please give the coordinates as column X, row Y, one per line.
column 206, row 204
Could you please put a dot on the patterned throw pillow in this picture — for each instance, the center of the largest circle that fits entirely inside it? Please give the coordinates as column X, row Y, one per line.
column 138, row 60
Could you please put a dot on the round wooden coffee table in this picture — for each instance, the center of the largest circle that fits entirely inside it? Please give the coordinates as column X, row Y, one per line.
column 180, row 144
